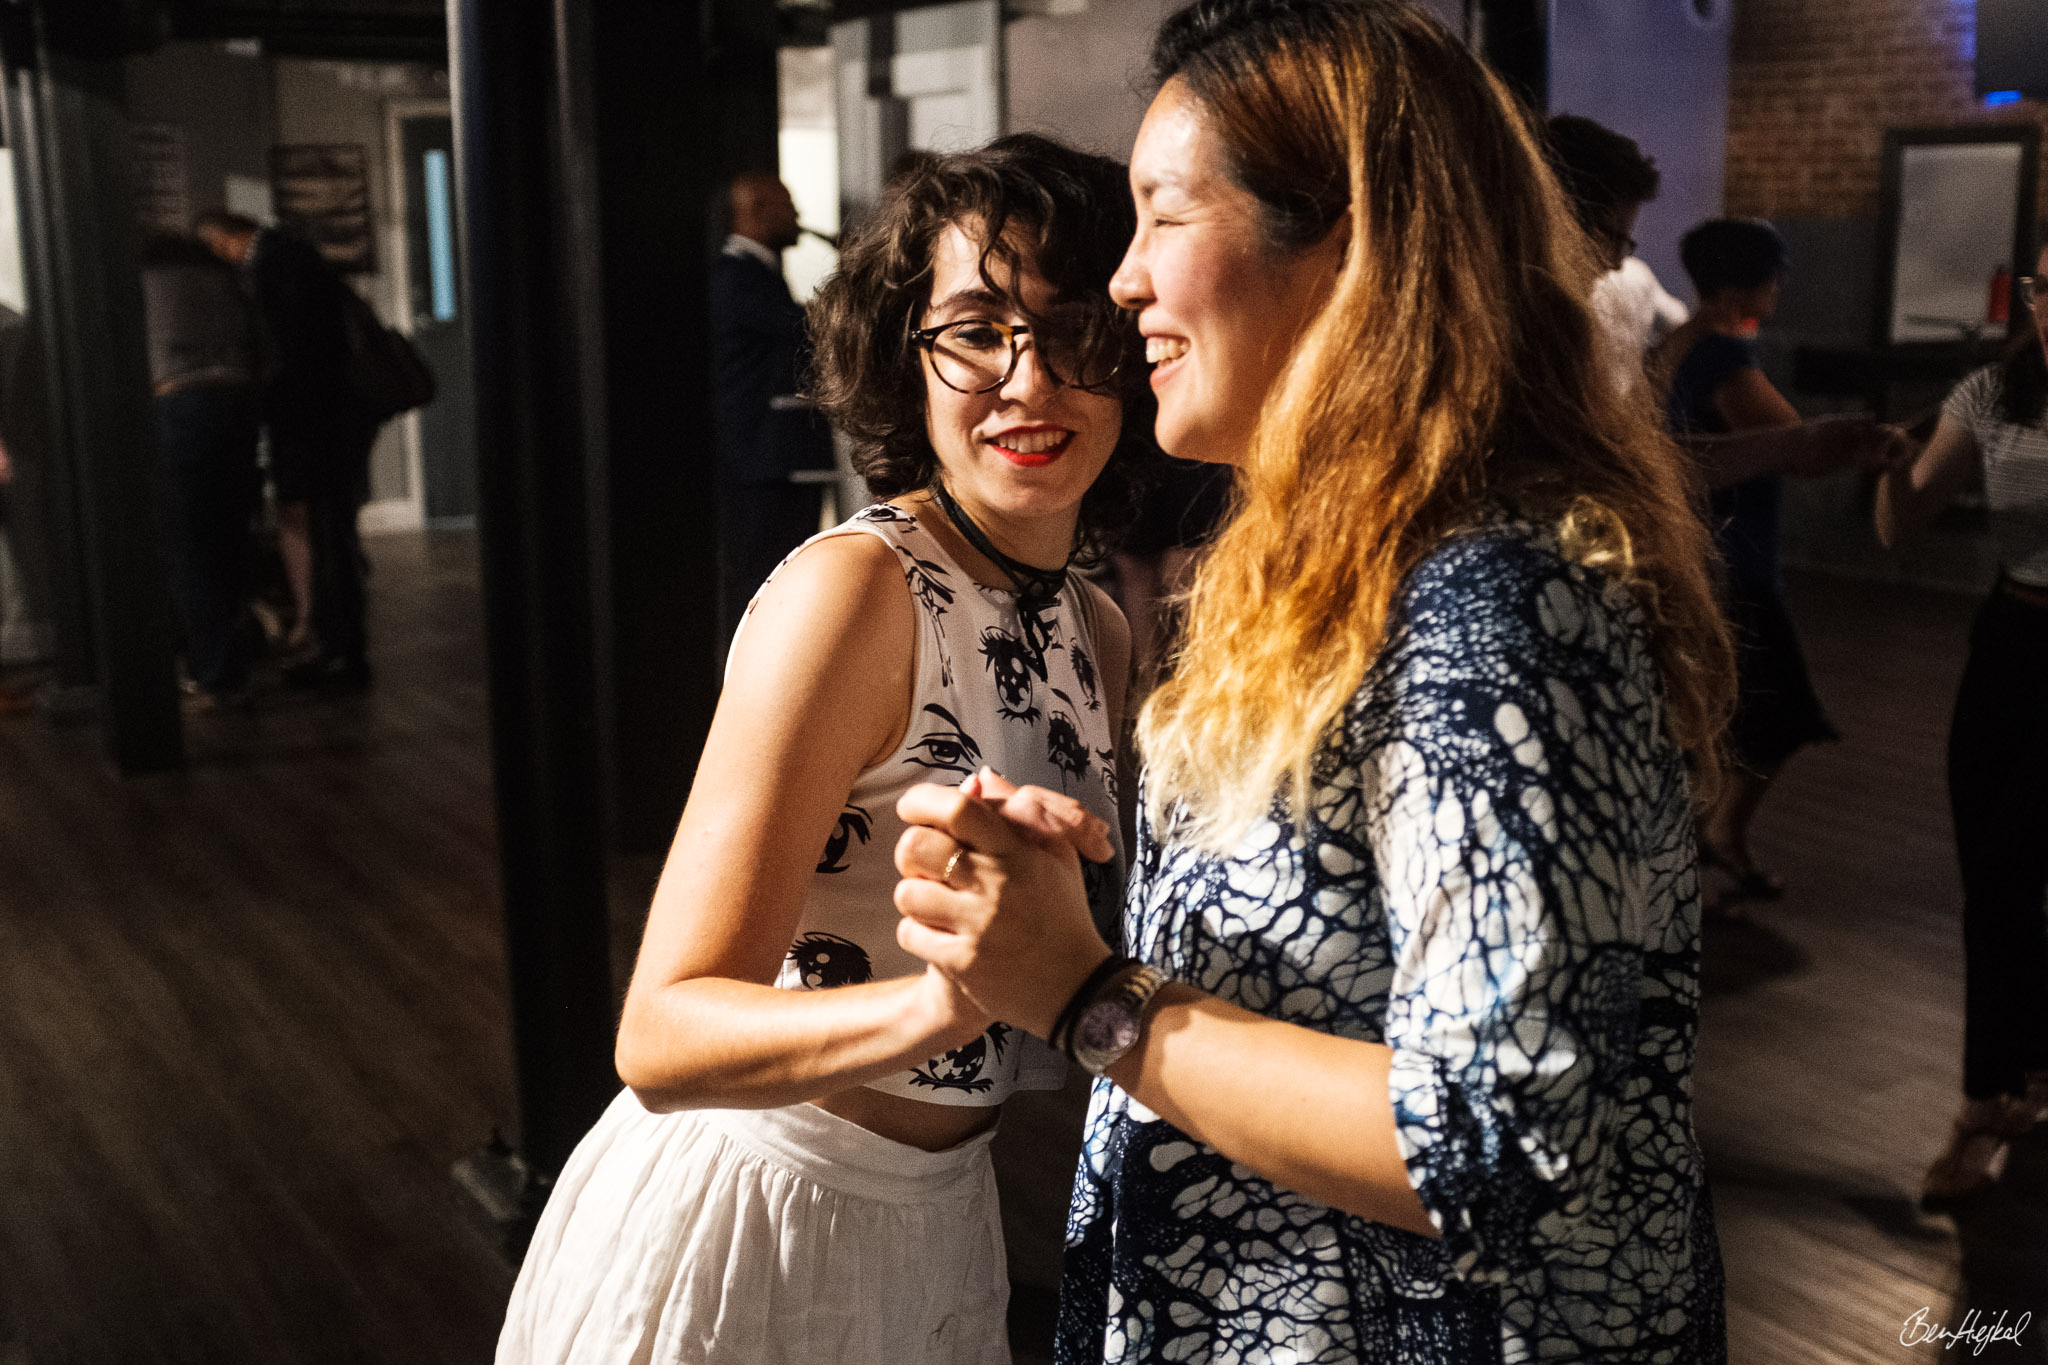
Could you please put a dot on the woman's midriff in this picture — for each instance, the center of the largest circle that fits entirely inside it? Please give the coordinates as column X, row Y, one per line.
column 930, row 1127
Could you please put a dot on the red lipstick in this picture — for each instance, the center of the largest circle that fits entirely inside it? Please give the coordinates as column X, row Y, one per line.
column 1043, row 452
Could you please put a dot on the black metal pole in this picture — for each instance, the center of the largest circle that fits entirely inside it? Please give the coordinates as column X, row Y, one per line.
column 510, row 79
column 668, row 123
column 740, row 78
column 1515, row 40
column 61, row 508
column 84, row 242
column 588, row 142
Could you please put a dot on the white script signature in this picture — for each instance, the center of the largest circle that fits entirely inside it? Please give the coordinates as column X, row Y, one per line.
column 1974, row 1333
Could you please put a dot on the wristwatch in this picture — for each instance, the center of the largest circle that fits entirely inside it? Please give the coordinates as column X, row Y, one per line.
column 1108, row 1025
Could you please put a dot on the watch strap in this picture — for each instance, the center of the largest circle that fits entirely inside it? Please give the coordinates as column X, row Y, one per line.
column 1060, row 1036
column 1131, row 992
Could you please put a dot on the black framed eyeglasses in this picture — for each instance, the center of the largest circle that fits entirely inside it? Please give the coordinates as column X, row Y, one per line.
column 977, row 355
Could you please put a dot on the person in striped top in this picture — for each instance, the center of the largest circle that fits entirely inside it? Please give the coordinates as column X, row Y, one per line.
column 1993, row 436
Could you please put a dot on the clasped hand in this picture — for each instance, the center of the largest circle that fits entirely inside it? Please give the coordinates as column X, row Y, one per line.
column 992, row 893
column 1833, row 445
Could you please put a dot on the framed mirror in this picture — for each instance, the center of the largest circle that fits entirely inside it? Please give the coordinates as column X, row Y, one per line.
column 1956, row 223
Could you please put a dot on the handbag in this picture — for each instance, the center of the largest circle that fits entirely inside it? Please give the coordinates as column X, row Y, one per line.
column 385, row 369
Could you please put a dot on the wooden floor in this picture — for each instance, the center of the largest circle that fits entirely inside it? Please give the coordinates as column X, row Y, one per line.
column 1831, row 1048
column 249, row 1015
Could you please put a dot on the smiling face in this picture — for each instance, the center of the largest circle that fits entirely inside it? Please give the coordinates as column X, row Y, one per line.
column 1220, row 308
column 1029, row 448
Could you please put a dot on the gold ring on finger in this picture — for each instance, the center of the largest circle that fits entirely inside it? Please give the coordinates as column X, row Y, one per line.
column 951, row 863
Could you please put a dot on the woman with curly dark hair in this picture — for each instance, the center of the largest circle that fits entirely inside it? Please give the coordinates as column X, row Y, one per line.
column 798, row 1169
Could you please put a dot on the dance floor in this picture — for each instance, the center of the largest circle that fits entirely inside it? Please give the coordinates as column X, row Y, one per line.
column 251, row 1012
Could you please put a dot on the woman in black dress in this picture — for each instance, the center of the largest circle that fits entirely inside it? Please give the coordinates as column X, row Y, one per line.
column 1718, row 388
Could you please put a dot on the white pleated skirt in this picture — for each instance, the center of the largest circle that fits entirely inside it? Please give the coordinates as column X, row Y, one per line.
column 762, row 1237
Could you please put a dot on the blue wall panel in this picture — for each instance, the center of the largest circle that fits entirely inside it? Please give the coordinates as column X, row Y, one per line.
column 1656, row 70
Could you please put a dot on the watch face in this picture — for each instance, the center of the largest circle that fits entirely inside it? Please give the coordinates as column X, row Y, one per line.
column 1107, row 1026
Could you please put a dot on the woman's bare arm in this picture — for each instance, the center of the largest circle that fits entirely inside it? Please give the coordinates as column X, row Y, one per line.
column 1307, row 1109
column 1395, row 1129
column 1766, row 435
column 818, row 688
column 1251, row 1076
column 1826, row 445
column 1747, row 402
column 1909, row 496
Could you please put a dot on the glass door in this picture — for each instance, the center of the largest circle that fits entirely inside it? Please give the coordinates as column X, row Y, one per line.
column 437, row 317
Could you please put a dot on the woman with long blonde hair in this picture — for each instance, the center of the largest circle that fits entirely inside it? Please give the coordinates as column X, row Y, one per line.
column 1399, row 1067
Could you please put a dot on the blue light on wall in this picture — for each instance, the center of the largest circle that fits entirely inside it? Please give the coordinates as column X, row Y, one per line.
column 1998, row 97
column 440, row 235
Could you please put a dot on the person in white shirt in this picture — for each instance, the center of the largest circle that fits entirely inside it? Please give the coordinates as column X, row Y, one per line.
column 1609, row 179
column 1637, row 313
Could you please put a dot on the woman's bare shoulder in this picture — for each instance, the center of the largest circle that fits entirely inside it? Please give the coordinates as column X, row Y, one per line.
column 828, row 645
column 832, row 585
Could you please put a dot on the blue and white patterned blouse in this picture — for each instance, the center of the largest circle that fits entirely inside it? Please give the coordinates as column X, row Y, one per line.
column 1497, row 881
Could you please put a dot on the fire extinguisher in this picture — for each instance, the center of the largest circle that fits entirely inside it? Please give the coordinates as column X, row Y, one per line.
column 1998, row 307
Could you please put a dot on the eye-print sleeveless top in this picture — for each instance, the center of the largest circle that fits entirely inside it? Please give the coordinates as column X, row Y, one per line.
column 1017, row 691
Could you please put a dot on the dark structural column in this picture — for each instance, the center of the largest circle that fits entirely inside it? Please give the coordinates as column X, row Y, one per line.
column 535, row 544
column 1514, row 37
column 75, row 665
column 740, row 68
column 110, row 584
column 663, row 103
column 584, row 151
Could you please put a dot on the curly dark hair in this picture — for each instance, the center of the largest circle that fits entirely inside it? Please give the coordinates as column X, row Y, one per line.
column 1733, row 253
column 1033, row 202
column 1600, row 169
column 2023, row 377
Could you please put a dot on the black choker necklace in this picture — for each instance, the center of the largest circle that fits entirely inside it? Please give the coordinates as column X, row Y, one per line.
column 1036, row 587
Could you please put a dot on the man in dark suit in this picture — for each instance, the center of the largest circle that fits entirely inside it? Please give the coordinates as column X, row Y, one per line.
column 320, row 439
column 764, row 431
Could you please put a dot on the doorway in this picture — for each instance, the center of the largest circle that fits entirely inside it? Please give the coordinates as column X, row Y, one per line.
column 441, row 437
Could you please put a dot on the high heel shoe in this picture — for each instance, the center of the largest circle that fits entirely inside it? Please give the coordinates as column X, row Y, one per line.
column 1977, row 1150
column 1749, row 882
column 2036, row 1098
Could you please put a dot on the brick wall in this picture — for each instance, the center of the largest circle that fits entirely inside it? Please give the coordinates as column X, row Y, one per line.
column 1814, row 84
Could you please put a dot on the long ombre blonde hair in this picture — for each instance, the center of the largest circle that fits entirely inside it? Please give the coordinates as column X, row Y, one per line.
column 1452, row 372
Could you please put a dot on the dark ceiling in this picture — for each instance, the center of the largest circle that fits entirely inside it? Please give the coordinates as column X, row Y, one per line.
column 380, row 29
